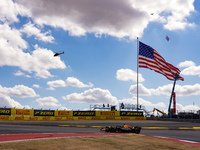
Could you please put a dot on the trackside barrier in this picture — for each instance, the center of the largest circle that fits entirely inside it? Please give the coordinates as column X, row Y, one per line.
column 62, row 115
column 19, row 118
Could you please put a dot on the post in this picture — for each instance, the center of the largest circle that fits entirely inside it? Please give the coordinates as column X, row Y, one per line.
column 174, row 102
column 169, row 112
column 137, row 68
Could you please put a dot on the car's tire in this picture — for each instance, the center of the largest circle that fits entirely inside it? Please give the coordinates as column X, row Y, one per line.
column 120, row 131
column 137, row 130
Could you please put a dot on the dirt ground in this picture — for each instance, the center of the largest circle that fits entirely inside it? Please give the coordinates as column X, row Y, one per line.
column 122, row 142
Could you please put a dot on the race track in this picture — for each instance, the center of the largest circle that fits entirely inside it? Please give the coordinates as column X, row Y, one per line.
column 176, row 130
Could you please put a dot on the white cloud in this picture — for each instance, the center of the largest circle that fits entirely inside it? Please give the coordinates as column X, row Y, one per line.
column 174, row 24
column 19, row 73
column 191, row 68
column 31, row 30
column 48, row 102
column 167, row 12
column 74, row 82
column 11, row 42
column 92, row 96
column 142, row 102
column 185, row 90
column 63, row 108
column 188, row 108
column 8, row 102
column 128, row 74
column 40, row 61
column 70, row 81
column 56, row 83
column 8, row 15
column 188, row 90
column 186, row 64
column 141, row 89
column 18, row 91
column 114, row 17
column 36, row 86
column 9, row 11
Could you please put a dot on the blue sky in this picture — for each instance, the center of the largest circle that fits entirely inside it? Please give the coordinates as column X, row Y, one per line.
column 99, row 64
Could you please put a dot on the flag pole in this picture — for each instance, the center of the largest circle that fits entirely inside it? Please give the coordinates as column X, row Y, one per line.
column 137, row 68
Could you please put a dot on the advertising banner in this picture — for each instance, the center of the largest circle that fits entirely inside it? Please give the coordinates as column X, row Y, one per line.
column 83, row 113
column 125, row 118
column 33, row 118
column 131, row 113
column 4, row 118
column 96, row 118
column 44, row 113
column 5, row 111
column 22, row 112
column 107, row 113
column 110, row 118
column 19, row 118
column 63, row 113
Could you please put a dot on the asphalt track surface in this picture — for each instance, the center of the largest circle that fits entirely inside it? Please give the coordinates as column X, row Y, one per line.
column 185, row 131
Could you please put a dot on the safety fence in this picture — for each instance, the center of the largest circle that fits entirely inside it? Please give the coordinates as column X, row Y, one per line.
column 62, row 115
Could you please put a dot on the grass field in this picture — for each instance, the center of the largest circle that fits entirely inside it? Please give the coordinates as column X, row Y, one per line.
column 122, row 142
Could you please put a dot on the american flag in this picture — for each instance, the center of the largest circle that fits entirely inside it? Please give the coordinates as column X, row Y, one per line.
column 149, row 58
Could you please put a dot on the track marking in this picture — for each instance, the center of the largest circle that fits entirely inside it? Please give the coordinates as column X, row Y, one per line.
column 163, row 128
column 148, row 128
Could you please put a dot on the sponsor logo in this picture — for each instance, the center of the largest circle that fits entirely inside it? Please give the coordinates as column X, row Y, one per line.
column 22, row 112
column 83, row 113
column 63, row 113
column 46, row 118
column 33, row 118
column 110, row 118
column 130, row 113
column 43, row 113
column 81, row 118
column 107, row 113
column 19, row 118
column 140, row 118
column 58, row 118
column 125, row 118
column 69, row 118
column 4, row 117
column 5, row 111
column 96, row 118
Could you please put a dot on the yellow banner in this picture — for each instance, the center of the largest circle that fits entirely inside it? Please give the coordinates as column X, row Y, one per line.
column 21, row 118
column 62, row 113
column 22, row 112
column 4, row 118
column 108, row 113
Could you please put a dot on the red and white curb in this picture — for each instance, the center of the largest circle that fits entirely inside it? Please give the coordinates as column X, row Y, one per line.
column 186, row 142
column 4, row 138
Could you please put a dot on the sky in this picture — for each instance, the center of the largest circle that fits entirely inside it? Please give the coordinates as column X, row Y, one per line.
column 99, row 64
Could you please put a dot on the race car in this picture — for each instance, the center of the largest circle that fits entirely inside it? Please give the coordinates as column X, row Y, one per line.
column 122, row 129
